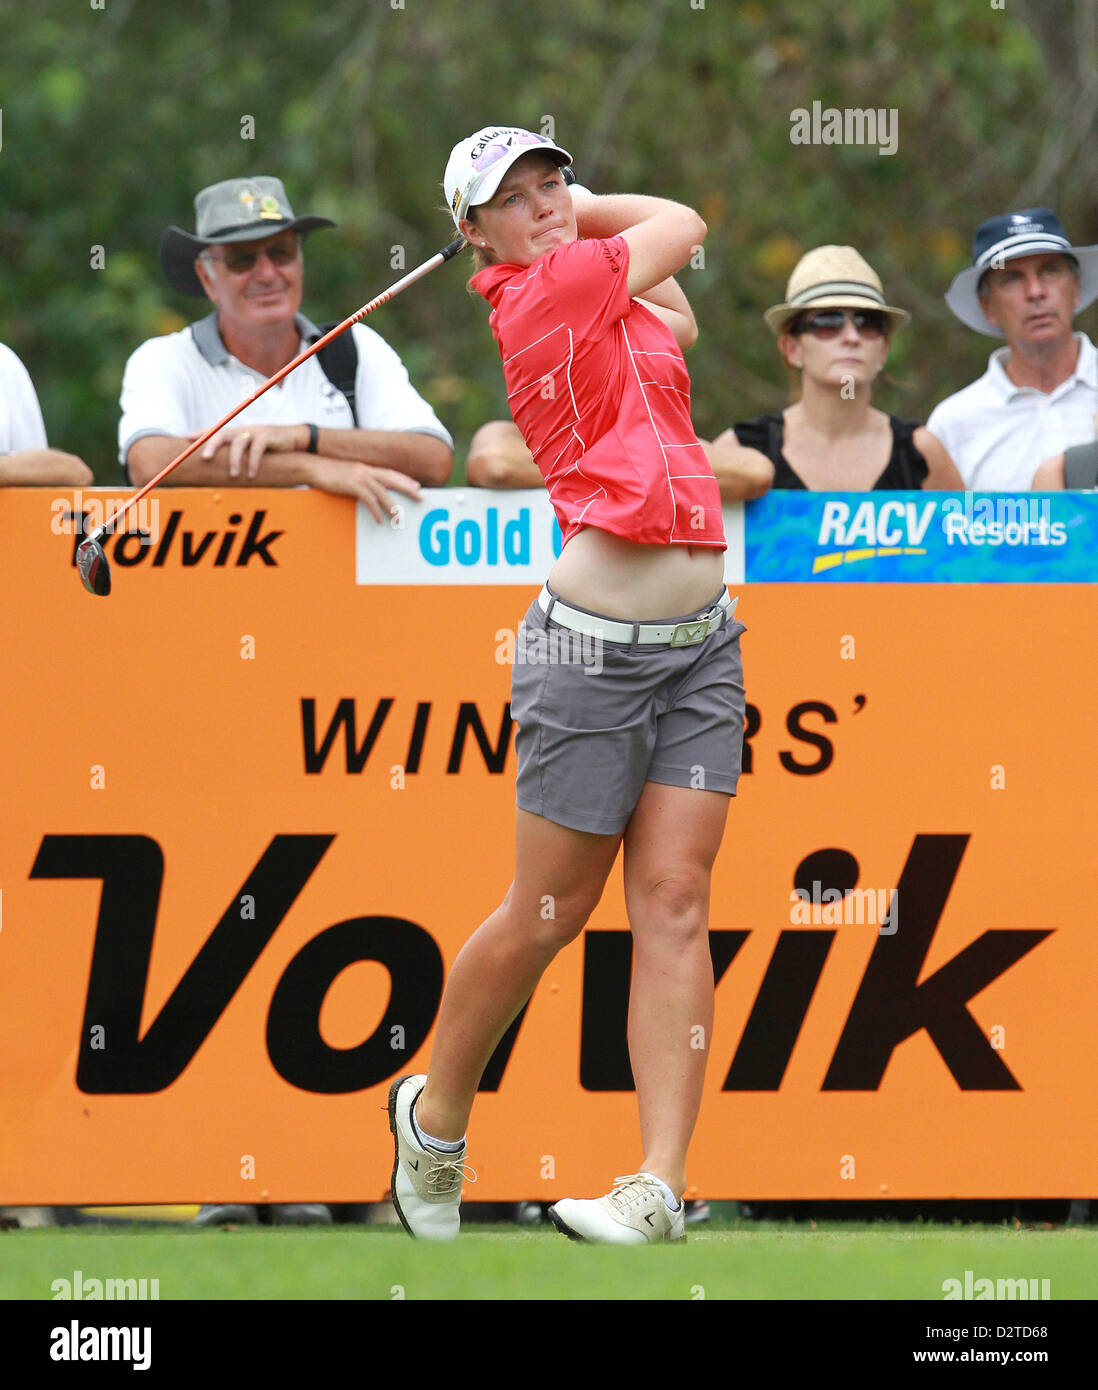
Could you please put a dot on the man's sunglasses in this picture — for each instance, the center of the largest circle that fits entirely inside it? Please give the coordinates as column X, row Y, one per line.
column 238, row 259
column 828, row 323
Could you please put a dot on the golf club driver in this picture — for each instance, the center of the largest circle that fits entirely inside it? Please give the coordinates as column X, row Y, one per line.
column 91, row 559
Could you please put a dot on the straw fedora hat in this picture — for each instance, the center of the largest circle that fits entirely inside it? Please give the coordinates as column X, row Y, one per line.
column 832, row 277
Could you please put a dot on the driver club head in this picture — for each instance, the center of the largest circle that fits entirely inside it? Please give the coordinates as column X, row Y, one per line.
column 91, row 562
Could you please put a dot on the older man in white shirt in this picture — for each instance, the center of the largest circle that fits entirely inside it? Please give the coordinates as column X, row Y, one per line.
column 363, row 430
column 348, row 421
column 1039, row 394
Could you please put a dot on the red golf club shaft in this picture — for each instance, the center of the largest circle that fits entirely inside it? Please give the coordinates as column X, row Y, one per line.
column 436, row 260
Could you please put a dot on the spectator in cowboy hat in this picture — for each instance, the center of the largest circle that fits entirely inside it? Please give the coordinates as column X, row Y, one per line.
column 361, row 431
column 1039, row 394
column 833, row 330
column 366, row 438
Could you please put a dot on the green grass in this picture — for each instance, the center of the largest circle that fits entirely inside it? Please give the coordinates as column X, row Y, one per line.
column 736, row 1260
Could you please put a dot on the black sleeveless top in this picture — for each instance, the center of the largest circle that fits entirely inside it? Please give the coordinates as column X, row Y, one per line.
column 906, row 468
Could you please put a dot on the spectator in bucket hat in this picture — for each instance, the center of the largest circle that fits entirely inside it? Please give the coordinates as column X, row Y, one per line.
column 1039, row 394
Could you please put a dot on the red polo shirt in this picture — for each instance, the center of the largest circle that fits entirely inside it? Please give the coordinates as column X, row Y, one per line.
column 599, row 389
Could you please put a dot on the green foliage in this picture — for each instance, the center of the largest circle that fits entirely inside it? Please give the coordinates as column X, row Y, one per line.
column 113, row 118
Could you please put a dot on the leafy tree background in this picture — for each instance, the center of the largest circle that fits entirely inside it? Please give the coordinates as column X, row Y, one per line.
column 114, row 113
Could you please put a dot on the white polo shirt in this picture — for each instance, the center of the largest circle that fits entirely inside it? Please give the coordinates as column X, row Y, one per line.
column 998, row 433
column 185, row 382
column 21, row 425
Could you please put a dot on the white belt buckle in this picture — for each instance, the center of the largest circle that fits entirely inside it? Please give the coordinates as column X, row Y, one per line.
column 688, row 634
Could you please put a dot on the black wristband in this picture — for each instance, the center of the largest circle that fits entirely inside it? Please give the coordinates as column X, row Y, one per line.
column 314, row 436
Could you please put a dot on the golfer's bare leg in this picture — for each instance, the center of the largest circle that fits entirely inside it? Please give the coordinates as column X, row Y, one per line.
column 559, row 878
column 670, row 845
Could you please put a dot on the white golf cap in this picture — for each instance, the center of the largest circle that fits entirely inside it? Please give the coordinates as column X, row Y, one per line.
column 477, row 165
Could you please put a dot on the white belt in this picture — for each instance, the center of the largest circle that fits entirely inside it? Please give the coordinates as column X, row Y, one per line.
column 647, row 634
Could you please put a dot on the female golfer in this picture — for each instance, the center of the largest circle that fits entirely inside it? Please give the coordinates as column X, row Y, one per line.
column 833, row 331
column 641, row 749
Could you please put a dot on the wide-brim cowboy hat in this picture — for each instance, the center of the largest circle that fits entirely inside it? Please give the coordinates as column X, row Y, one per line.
column 235, row 210
column 832, row 277
column 1030, row 232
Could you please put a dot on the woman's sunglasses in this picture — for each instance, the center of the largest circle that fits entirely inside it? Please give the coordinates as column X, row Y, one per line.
column 828, row 323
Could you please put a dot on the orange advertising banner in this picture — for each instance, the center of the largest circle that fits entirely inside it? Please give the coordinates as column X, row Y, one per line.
column 253, row 805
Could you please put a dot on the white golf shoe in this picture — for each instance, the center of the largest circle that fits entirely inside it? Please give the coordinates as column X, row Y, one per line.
column 634, row 1213
column 426, row 1182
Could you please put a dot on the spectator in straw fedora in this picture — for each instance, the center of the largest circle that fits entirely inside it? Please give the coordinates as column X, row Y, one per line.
column 1039, row 394
column 833, row 331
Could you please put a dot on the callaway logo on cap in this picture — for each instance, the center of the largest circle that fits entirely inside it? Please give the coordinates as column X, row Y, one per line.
column 477, row 165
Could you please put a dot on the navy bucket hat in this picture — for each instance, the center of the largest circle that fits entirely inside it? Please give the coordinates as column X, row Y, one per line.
column 1030, row 232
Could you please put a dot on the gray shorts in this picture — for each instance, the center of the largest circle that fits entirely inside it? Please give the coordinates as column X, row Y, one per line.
column 597, row 719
